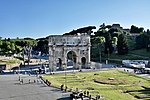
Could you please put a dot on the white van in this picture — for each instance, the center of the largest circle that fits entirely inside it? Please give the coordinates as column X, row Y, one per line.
column 135, row 63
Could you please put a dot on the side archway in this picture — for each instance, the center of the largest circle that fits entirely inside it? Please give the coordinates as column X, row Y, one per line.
column 59, row 63
column 83, row 62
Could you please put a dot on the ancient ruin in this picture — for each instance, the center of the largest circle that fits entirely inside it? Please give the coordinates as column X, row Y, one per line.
column 70, row 49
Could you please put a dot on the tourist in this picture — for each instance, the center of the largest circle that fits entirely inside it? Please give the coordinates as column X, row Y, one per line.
column 61, row 87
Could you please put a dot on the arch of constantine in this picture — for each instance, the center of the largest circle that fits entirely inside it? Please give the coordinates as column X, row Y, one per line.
column 64, row 49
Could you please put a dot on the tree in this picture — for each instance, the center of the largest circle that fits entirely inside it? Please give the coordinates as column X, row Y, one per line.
column 114, row 40
column 102, row 26
column 122, row 44
column 101, row 32
column 108, row 38
column 6, row 47
column 12, row 47
column 135, row 29
column 42, row 45
column 148, row 32
column 141, row 30
column 0, row 43
column 142, row 41
column 18, row 48
column 97, row 48
column 108, row 44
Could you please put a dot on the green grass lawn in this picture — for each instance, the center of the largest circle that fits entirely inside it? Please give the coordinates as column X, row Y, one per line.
column 111, row 84
column 125, row 57
column 141, row 52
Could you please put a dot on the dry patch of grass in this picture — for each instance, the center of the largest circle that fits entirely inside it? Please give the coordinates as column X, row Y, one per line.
column 111, row 81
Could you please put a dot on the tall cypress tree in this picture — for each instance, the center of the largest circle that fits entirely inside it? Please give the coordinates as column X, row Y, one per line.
column 108, row 44
column 122, row 44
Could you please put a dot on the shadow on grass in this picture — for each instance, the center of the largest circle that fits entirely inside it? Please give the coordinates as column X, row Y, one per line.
column 144, row 93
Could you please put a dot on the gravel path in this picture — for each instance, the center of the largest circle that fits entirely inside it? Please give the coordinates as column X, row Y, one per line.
column 31, row 89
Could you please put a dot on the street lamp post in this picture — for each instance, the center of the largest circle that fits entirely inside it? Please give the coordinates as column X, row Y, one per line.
column 73, row 61
column 19, row 69
column 107, row 55
column 65, row 74
column 65, row 68
column 100, row 54
column 50, row 64
column 23, row 52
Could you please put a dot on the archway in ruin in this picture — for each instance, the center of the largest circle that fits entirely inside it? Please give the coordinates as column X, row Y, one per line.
column 59, row 63
column 71, row 59
column 83, row 62
column 72, row 50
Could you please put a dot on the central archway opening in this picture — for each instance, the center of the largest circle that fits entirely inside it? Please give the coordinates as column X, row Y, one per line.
column 71, row 60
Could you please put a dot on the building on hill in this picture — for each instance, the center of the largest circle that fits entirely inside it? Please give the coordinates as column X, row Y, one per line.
column 134, row 35
column 116, row 26
column 127, row 30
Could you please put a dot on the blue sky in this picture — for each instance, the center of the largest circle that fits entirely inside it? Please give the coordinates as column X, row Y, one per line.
column 41, row 18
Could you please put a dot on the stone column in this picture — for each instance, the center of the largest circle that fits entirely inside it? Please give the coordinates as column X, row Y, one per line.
column 50, row 58
column 64, row 62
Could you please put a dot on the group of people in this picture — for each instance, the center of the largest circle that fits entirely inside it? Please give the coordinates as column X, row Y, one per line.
column 62, row 88
column 79, row 93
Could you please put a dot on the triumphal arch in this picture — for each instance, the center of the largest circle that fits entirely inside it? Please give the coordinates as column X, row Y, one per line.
column 70, row 49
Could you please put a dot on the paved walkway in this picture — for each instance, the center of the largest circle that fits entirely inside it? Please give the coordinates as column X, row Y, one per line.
column 31, row 89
